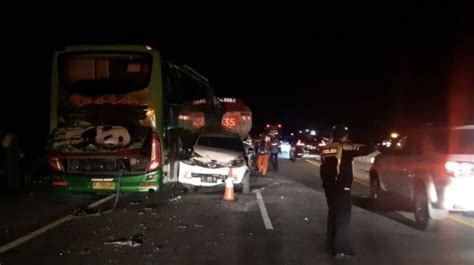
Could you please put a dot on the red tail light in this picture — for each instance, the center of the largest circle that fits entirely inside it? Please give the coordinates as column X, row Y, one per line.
column 155, row 158
column 56, row 165
column 59, row 182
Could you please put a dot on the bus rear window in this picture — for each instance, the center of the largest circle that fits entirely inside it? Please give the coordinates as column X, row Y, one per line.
column 95, row 74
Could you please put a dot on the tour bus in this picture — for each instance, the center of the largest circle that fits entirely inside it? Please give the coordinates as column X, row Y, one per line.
column 115, row 112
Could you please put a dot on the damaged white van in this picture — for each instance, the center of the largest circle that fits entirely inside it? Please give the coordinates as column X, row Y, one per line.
column 214, row 157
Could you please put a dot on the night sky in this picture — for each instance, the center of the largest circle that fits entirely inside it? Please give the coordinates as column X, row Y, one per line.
column 370, row 70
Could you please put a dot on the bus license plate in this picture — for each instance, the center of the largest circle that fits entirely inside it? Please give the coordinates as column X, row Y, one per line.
column 103, row 185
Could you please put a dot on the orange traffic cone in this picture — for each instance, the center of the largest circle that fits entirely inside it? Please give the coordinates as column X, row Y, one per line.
column 229, row 194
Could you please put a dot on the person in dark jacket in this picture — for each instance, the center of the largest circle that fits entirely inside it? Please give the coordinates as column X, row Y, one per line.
column 337, row 176
column 274, row 150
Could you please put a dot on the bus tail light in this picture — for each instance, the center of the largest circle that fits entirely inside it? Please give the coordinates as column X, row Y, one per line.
column 59, row 182
column 155, row 157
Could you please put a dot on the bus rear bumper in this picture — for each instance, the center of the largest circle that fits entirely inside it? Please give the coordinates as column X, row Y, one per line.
column 108, row 184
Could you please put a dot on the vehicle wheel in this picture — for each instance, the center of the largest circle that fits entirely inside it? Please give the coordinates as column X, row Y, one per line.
column 246, row 184
column 421, row 210
column 375, row 190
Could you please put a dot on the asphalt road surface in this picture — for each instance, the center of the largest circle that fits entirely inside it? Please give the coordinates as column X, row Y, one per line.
column 281, row 222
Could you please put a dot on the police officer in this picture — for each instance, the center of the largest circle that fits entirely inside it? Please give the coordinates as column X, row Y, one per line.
column 336, row 173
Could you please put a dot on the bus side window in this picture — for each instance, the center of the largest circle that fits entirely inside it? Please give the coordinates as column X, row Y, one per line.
column 173, row 87
column 186, row 89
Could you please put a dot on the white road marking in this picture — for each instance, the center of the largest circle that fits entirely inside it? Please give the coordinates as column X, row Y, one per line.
column 34, row 234
column 47, row 227
column 99, row 202
column 263, row 210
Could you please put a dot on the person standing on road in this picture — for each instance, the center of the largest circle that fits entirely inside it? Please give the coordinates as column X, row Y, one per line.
column 263, row 154
column 336, row 173
column 274, row 150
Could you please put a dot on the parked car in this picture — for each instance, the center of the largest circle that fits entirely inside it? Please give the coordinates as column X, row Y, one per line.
column 307, row 147
column 297, row 149
column 430, row 169
column 214, row 157
column 285, row 145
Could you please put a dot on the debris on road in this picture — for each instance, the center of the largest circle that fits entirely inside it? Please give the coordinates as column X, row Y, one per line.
column 134, row 202
column 129, row 243
column 85, row 251
column 79, row 212
column 140, row 213
column 134, row 241
column 282, row 197
column 306, row 219
column 198, row 226
column 177, row 198
column 64, row 252
column 182, row 226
